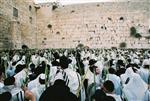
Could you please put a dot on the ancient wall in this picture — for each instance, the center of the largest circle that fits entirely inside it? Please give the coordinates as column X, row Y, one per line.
column 17, row 24
column 97, row 25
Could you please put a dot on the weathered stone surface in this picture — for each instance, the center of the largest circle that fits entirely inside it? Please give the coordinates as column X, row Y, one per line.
column 16, row 31
column 97, row 25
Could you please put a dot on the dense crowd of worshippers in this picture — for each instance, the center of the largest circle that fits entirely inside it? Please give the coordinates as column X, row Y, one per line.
column 75, row 75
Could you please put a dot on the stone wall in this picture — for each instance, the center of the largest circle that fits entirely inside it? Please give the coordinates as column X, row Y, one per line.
column 97, row 25
column 20, row 29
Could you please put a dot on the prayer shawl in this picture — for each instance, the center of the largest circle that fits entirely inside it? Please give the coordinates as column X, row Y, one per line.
column 35, row 60
column 116, row 81
column 20, row 77
column 34, row 83
column 90, row 77
column 71, row 78
column 144, row 73
column 16, row 92
column 136, row 88
column 37, row 91
column 116, row 97
column 127, row 75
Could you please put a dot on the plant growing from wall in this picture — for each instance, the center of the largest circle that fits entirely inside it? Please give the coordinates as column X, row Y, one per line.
column 58, row 33
column 24, row 46
column 121, row 18
column 80, row 45
column 137, row 35
column 133, row 31
column 49, row 26
column 123, row 45
column 72, row 11
column 55, row 5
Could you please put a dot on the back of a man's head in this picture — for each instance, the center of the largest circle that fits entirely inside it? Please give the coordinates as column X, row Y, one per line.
column 111, row 70
column 108, row 86
column 9, row 81
column 6, row 96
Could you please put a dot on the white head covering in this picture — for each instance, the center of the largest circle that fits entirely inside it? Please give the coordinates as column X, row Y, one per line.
column 146, row 62
column 35, row 83
column 135, row 89
column 42, row 76
column 128, row 74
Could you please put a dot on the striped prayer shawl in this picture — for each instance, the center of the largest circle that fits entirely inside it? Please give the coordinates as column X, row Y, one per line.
column 18, row 96
column 65, row 77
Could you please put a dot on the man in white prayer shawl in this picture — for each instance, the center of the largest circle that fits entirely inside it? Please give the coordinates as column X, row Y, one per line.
column 146, row 61
column 135, row 90
column 39, row 87
column 16, row 92
column 108, row 88
column 21, row 77
column 127, row 75
column 136, row 60
column 16, row 57
column 41, row 59
column 144, row 73
column 71, row 78
column 115, row 79
column 34, row 83
column 90, row 73
column 100, row 66
column 35, row 59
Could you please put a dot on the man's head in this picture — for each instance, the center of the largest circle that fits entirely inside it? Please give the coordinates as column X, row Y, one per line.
column 64, row 62
column 108, row 86
column 92, row 62
column 111, row 70
column 9, row 81
column 6, row 96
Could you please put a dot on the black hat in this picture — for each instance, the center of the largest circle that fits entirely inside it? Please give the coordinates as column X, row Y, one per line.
column 92, row 61
column 64, row 62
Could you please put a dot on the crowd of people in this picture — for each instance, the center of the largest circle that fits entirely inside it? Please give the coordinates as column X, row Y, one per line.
column 75, row 75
